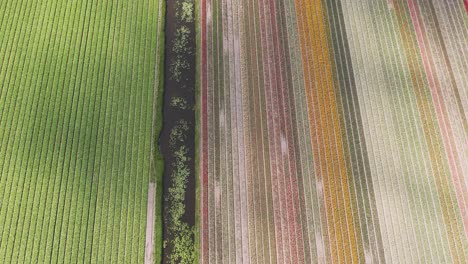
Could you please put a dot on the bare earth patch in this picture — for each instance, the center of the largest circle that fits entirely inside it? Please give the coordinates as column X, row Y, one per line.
column 150, row 215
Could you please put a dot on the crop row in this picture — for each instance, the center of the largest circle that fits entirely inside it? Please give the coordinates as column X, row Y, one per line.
column 251, row 195
column 331, row 131
column 76, row 101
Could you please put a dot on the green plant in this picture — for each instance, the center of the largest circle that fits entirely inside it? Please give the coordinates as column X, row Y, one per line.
column 179, row 102
column 187, row 11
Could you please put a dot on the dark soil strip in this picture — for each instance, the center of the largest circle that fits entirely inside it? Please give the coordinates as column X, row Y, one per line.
column 178, row 106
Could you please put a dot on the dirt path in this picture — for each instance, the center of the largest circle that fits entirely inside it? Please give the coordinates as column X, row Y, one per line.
column 150, row 216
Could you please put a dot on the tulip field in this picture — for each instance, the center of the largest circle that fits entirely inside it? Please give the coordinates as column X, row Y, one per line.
column 333, row 131
column 285, row 131
column 77, row 92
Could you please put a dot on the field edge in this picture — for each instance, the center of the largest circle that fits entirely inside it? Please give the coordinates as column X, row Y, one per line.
column 157, row 175
column 197, row 132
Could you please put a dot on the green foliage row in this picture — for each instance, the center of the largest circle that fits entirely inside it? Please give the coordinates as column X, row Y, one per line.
column 76, row 90
column 156, row 174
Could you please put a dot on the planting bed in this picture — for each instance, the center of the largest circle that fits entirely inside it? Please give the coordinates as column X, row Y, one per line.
column 77, row 82
column 333, row 131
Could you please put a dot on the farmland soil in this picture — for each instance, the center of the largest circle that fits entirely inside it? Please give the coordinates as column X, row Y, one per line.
column 178, row 106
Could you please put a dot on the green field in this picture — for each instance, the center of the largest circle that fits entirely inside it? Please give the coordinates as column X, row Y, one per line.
column 77, row 123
